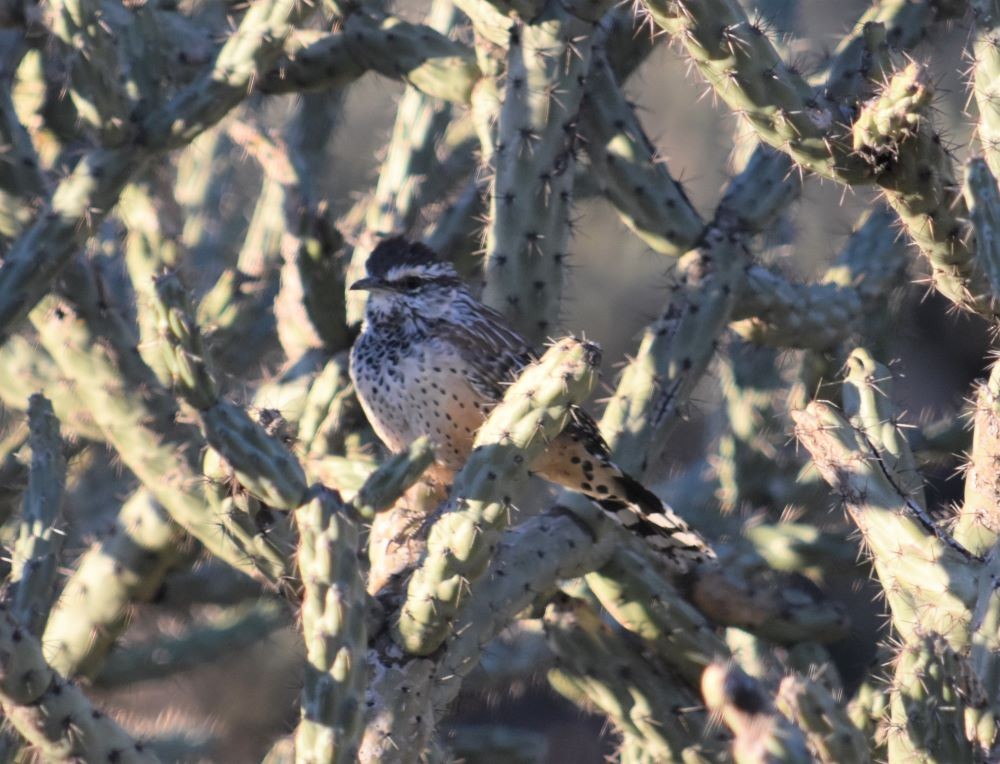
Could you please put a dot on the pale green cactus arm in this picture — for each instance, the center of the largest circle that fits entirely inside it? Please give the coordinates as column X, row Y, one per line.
column 261, row 463
column 742, row 65
column 647, row 198
column 651, row 708
column 138, row 417
column 395, row 48
column 82, row 199
column 30, row 369
column 126, row 565
column 895, row 133
column 38, row 702
column 533, row 163
column 149, row 249
column 916, row 562
column 638, row 597
column 927, row 705
column 393, row 478
column 333, row 624
column 95, row 70
column 983, row 202
column 674, row 352
column 986, row 78
column 461, row 541
column 829, row 732
column 39, row 539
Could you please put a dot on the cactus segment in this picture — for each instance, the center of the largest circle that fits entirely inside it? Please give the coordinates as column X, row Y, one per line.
column 534, row 158
column 35, row 556
column 333, row 625
column 534, row 410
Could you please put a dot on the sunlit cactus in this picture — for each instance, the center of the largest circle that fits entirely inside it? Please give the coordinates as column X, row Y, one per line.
column 187, row 473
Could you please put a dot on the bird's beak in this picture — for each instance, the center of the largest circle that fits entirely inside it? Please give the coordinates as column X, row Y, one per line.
column 367, row 284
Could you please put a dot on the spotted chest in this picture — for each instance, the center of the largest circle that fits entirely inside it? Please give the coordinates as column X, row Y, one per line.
column 411, row 387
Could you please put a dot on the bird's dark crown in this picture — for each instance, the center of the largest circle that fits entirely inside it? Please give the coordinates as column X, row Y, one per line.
column 397, row 252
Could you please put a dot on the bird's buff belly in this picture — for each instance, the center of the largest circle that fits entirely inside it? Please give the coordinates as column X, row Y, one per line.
column 414, row 399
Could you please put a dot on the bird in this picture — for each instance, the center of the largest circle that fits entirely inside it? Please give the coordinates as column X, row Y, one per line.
column 432, row 360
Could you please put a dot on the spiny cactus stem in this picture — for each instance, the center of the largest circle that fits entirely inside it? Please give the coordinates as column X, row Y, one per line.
column 262, row 464
column 529, row 560
column 39, row 540
column 126, row 565
column 529, row 220
column 632, row 687
column 894, row 132
column 986, row 78
column 393, row 478
column 534, row 410
column 371, row 41
column 133, row 410
column 82, row 199
column 333, row 624
column 37, row 701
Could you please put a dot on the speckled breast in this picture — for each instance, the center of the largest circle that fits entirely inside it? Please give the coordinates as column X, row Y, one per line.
column 413, row 389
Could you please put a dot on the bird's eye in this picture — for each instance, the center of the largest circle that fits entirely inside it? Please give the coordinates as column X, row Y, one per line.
column 409, row 283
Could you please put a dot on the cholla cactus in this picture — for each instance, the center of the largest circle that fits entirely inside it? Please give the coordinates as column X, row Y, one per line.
column 183, row 450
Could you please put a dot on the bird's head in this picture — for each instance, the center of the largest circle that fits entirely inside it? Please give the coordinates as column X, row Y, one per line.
column 405, row 277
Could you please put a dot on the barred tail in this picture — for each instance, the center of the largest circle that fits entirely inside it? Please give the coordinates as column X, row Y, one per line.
column 640, row 511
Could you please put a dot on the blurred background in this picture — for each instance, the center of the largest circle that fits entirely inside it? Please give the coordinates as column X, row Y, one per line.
column 616, row 286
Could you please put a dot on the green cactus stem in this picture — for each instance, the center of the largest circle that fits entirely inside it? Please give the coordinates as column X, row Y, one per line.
column 895, row 134
column 393, row 478
column 149, row 250
column 869, row 465
column 649, row 706
column 96, row 349
column 674, row 353
column 82, row 199
column 530, row 559
column 533, row 162
column 638, row 597
column 29, row 369
column 986, row 78
column 829, row 732
column 54, row 715
column 983, row 202
column 262, row 465
column 926, row 711
column 95, row 71
column 743, row 66
column 126, row 565
column 333, row 625
column 461, row 542
column 39, row 539
column 371, row 41
column 640, row 187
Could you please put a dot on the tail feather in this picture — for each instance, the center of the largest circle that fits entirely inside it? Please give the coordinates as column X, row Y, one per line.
column 644, row 514
column 578, row 459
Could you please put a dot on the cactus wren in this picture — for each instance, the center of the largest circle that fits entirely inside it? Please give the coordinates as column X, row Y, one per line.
column 432, row 360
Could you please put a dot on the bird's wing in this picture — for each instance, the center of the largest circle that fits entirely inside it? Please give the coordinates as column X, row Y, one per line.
column 494, row 352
